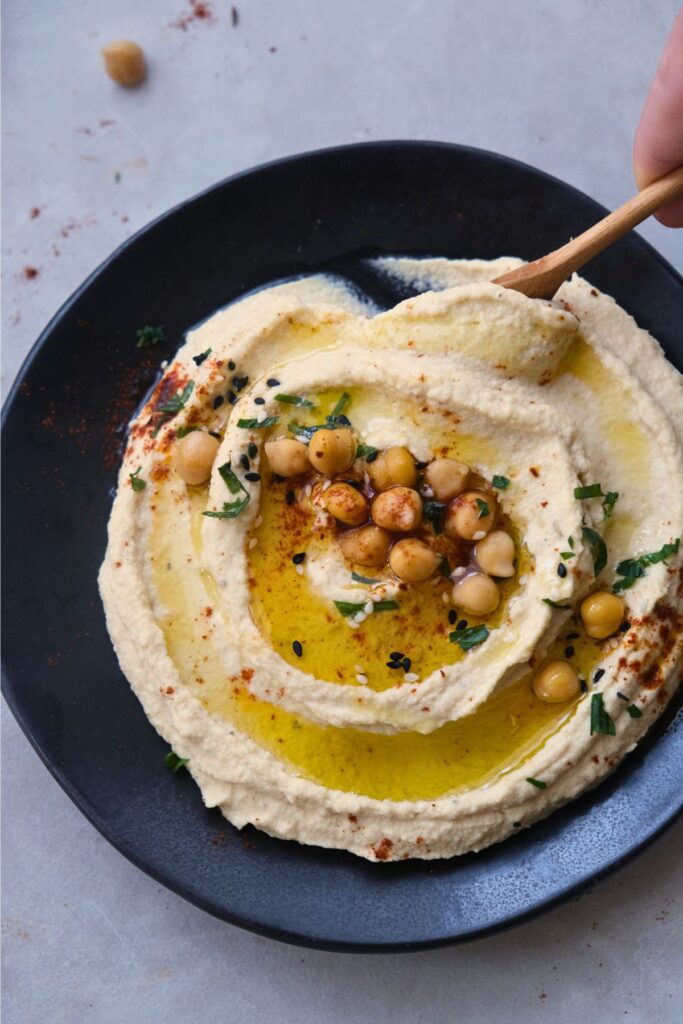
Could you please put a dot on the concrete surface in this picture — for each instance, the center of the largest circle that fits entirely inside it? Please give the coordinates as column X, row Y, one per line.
column 87, row 937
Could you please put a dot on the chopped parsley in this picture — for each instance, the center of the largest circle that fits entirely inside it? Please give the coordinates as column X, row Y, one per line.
column 598, row 548
column 348, row 608
column 611, row 498
column 362, row 579
column 201, row 357
column 634, row 711
column 231, row 509
column 178, row 402
column 555, row 604
column 469, row 637
column 295, row 400
column 148, row 336
column 484, row 510
column 340, row 406
column 601, row 722
column 537, row 783
column 631, row 569
column 305, row 432
column 136, row 482
column 184, row 431
column 567, row 554
column 253, row 424
column 175, row 763
column 501, row 482
column 445, row 567
column 433, row 512
column 590, row 491
column 366, row 451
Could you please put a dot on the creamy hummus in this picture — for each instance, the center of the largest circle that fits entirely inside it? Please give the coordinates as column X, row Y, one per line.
column 347, row 705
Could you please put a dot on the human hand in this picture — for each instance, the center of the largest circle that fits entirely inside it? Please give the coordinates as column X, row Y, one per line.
column 658, row 144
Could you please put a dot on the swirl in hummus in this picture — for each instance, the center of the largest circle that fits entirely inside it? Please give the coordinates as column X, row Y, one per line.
column 403, row 582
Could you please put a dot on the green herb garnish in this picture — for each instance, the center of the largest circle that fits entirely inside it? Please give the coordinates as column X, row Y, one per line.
column 385, row 606
column 567, row 554
column 175, row 763
column 340, row 406
column 484, row 510
column 184, row 431
column 590, row 491
column 433, row 512
column 363, row 450
column 348, row 608
column 178, row 402
column 231, row 509
column 501, row 482
column 295, row 400
column 555, row 604
column 570, row 541
column 148, row 336
column 469, row 637
column 201, row 357
column 632, row 569
column 232, row 482
column 537, row 783
column 253, row 424
column 601, row 722
column 445, row 567
column 307, row 432
column 634, row 711
column 598, row 548
column 608, row 504
column 136, row 482
column 362, row 579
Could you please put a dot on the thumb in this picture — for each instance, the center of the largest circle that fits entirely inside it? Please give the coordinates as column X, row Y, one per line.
column 658, row 145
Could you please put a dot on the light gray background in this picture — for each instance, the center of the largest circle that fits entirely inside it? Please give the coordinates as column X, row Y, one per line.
column 87, row 937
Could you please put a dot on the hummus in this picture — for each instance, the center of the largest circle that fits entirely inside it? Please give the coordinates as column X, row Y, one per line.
column 431, row 586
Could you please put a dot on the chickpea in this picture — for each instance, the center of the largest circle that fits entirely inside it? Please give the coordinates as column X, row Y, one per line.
column 332, row 451
column 346, row 504
column 495, row 554
column 399, row 508
column 476, row 594
column 602, row 614
column 287, row 457
column 393, row 466
column 470, row 514
column 447, row 478
column 124, row 61
column 194, row 456
column 413, row 561
column 368, row 545
column 557, row 682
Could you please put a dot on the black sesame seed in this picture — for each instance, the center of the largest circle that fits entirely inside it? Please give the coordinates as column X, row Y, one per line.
column 344, row 420
column 396, row 655
column 393, row 664
column 562, row 571
column 297, row 648
column 622, row 696
column 624, row 627
column 569, row 651
column 421, row 465
column 462, row 624
column 298, row 557
column 232, row 397
column 452, row 616
column 216, row 435
column 231, row 365
column 598, row 675
column 405, row 664
column 252, row 477
column 272, row 382
column 259, row 401
column 218, row 401
column 354, row 483
column 239, row 382
column 372, row 456
column 277, row 479
column 289, row 498
column 584, row 685
column 244, row 460
column 252, row 450
column 572, row 636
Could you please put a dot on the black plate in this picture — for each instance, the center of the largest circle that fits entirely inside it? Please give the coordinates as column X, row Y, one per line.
column 63, row 425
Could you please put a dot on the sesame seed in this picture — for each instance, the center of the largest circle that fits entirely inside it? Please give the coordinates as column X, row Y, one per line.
column 244, row 461
column 452, row 616
column 462, row 624
column 259, row 401
column 624, row 627
column 328, row 483
column 231, row 365
column 445, row 597
column 232, row 397
column 362, row 679
column 299, row 569
column 253, row 542
column 583, row 685
column 421, row 465
column 258, row 520
column 460, row 571
column 262, row 415
column 393, row 664
column 406, row 663
column 289, row 497
column 368, row 607
column 307, row 490
column 572, row 636
column 562, row 571
column 372, row 456
column 569, row 651
column 411, row 677
column 479, row 535
column 396, row 655
column 252, row 450
column 360, row 617
column 598, row 675
column 218, row 401
column 297, row 648
column 298, row 557
column 622, row 696
column 272, row 382
column 252, row 477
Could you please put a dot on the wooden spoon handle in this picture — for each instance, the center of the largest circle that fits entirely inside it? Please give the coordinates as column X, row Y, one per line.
column 542, row 278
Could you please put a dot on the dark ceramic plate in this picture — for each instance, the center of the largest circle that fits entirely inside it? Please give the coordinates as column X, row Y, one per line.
column 63, row 426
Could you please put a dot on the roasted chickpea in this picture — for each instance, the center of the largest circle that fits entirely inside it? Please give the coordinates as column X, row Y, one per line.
column 557, row 682
column 332, row 451
column 399, row 509
column 602, row 614
column 471, row 515
column 287, row 457
column 476, row 594
column 346, row 504
column 413, row 561
column 447, row 478
column 391, row 467
column 194, row 455
column 124, row 61
column 495, row 554
column 368, row 545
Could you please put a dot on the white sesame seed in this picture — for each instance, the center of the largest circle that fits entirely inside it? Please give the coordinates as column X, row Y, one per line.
column 479, row 535
column 361, row 678
column 261, row 415
column 368, row 607
column 258, row 520
column 253, row 542
column 460, row 571
column 299, row 569
column 351, row 622
column 164, row 364
column 435, row 581
column 328, row 483
column 358, row 668
column 411, row 677
column 307, row 490
column 360, row 617
column 445, row 597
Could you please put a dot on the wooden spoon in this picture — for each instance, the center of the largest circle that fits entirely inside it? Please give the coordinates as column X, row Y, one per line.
column 542, row 278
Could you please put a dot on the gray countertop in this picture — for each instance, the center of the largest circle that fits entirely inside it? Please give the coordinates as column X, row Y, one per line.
column 87, row 937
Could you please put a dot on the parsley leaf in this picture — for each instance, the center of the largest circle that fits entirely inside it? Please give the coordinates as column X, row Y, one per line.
column 537, row 783
column 555, row 604
column 348, row 608
column 253, row 424
column 231, row 480
column 184, row 431
column 634, row 711
column 433, row 512
column 567, row 555
column 469, row 637
column 601, row 722
column 148, row 336
column 611, row 498
column 484, row 510
column 175, row 763
column 305, row 432
column 598, row 548
column 590, row 491
column 178, row 402
column 444, row 567
column 501, row 482
column 340, row 406
column 632, row 569
column 136, row 482
column 295, row 400
column 363, row 450
column 362, row 579
column 201, row 357
column 231, row 509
